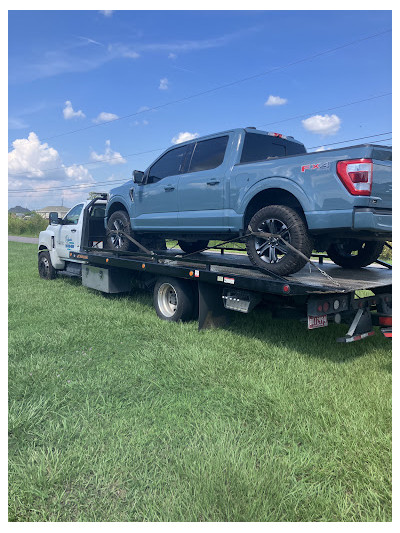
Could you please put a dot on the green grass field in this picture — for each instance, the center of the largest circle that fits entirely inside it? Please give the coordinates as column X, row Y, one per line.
column 117, row 416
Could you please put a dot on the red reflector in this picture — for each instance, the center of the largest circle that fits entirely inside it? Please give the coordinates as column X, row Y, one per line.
column 319, row 309
column 385, row 320
column 388, row 334
column 359, row 177
column 286, row 288
column 326, row 306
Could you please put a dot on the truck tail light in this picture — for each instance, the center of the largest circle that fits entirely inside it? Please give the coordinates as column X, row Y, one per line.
column 356, row 176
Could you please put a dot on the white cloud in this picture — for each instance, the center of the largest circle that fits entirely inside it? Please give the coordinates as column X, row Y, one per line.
column 105, row 117
column 275, row 100
column 143, row 108
column 106, row 12
column 36, row 165
column 171, row 55
column 32, row 158
column 322, row 124
column 163, row 84
column 110, row 156
column 70, row 113
column 184, row 136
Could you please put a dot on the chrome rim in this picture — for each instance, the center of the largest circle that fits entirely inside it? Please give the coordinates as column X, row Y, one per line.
column 118, row 240
column 272, row 249
column 167, row 300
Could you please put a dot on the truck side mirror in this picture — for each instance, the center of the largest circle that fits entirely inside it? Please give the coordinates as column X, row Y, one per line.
column 138, row 176
column 53, row 218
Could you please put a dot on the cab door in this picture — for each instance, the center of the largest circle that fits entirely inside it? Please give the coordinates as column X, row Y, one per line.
column 70, row 232
column 202, row 187
column 155, row 203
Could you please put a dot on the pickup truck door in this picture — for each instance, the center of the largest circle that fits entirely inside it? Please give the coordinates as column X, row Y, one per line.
column 201, row 188
column 155, row 203
column 68, row 236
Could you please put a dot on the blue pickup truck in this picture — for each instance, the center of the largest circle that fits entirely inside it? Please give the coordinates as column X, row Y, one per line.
column 267, row 190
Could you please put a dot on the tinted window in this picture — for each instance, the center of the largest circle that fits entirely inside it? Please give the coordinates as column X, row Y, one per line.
column 208, row 154
column 170, row 164
column 258, row 147
column 72, row 216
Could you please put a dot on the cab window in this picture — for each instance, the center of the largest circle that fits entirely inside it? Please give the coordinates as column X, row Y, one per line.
column 72, row 216
column 169, row 164
column 208, row 154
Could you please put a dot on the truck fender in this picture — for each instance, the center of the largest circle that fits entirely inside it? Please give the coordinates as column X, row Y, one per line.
column 45, row 243
column 116, row 199
column 276, row 182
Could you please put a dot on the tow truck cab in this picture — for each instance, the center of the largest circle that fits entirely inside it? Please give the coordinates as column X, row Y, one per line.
column 82, row 226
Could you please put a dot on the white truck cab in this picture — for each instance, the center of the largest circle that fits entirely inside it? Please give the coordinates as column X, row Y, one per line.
column 65, row 235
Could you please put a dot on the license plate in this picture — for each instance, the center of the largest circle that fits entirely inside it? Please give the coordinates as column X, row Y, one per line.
column 317, row 321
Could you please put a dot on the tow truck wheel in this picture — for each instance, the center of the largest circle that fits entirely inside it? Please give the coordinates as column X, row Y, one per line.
column 119, row 222
column 355, row 254
column 174, row 299
column 45, row 267
column 271, row 253
column 192, row 247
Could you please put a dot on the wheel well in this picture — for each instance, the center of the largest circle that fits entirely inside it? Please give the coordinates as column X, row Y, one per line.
column 42, row 247
column 116, row 206
column 272, row 197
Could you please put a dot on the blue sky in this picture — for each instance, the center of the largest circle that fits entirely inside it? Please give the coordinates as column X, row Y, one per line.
column 110, row 64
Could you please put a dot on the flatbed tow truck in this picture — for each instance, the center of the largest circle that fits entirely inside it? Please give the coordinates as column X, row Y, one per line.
column 207, row 286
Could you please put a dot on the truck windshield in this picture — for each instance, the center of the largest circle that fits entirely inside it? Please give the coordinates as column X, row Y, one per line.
column 258, row 147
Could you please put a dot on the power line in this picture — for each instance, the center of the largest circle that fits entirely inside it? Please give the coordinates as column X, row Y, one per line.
column 120, row 181
column 350, row 140
column 76, row 186
column 86, row 163
column 224, row 86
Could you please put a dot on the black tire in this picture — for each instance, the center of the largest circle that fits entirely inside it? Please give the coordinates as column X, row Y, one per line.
column 366, row 253
column 118, row 243
column 174, row 299
column 45, row 266
column 271, row 254
column 192, row 247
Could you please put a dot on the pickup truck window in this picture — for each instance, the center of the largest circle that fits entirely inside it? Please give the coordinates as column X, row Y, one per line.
column 72, row 216
column 169, row 164
column 208, row 154
column 258, row 147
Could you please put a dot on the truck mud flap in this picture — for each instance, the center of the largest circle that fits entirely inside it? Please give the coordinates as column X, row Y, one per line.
column 212, row 312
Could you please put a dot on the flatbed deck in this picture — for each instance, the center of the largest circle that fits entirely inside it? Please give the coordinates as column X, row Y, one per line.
column 236, row 269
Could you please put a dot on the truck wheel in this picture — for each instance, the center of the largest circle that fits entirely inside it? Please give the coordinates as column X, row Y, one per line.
column 45, row 267
column 271, row 253
column 355, row 254
column 192, row 247
column 174, row 299
column 119, row 221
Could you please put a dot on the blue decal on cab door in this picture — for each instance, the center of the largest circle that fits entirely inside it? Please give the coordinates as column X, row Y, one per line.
column 69, row 243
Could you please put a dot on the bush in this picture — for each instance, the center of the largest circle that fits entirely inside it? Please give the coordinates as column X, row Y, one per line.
column 386, row 255
column 31, row 226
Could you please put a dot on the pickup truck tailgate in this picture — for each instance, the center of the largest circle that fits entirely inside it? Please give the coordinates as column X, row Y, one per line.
column 382, row 177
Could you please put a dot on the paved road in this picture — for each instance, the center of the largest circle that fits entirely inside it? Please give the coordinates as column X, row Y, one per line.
column 31, row 240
